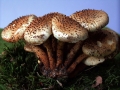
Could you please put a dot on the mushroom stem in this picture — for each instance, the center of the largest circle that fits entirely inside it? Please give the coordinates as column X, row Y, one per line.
column 60, row 47
column 50, row 53
column 76, row 62
column 78, row 69
column 54, row 44
column 39, row 53
column 72, row 53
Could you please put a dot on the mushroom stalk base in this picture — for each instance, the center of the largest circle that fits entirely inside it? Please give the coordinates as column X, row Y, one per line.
column 56, row 73
column 65, row 59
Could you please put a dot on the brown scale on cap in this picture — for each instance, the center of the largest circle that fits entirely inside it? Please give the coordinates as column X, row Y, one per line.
column 91, row 19
column 37, row 32
column 68, row 30
column 48, row 17
column 40, row 29
column 15, row 30
column 101, row 43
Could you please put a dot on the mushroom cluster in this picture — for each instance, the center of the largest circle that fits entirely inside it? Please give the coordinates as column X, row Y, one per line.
column 64, row 45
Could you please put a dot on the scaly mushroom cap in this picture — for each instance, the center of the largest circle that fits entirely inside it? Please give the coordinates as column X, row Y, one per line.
column 68, row 30
column 91, row 19
column 91, row 61
column 101, row 43
column 15, row 30
column 40, row 29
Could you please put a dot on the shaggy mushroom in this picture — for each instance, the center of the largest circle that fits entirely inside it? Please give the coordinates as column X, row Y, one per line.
column 67, row 30
column 104, row 46
column 39, row 32
column 90, row 19
column 49, row 35
column 101, row 43
column 15, row 30
column 40, row 29
column 99, row 46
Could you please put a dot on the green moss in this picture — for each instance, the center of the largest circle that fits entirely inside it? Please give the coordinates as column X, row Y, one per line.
column 3, row 43
column 19, row 71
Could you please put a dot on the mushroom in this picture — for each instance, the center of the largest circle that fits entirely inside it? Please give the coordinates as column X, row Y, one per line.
column 27, row 47
column 40, row 53
column 39, row 31
column 91, row 61
column 67, row 30
column 76, row 62
column 101, row 43
column 15, row 30
column 49, row 35
column 91, row 19
column 98, row 47
column 72, row 53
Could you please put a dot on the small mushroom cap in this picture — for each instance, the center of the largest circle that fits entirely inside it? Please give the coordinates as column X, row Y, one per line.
column 28, row 47
column 113, row 54
column 68, row 30
column 15, row 30
column 91, row 19
column 40, row 29
column 91, row 61
column 101, row 43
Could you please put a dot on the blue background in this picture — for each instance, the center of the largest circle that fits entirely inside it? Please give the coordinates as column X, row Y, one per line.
column 12, row 9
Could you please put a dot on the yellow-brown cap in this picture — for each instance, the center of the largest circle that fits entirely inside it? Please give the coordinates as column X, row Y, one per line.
column 40, row 29
column 91, row 19
column 101, row 43
column 91, row 61
column 28, row 47
column 68, row 30
column 15, row 30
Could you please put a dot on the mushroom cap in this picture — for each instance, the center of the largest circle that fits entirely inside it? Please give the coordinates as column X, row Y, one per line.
column 91, row 19
column 91, row 61
column 28, row 47
column 40, row 29
column 15, row 30
column 101, row 43
column 113, row 54
column 68, row 30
